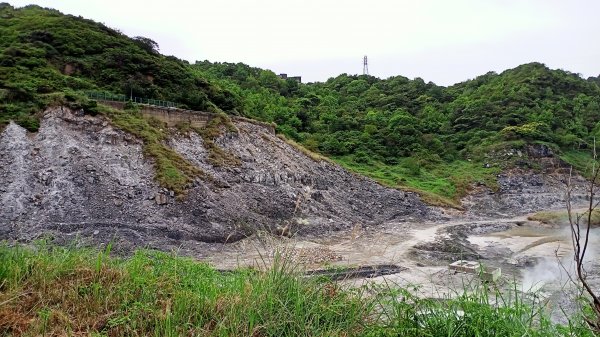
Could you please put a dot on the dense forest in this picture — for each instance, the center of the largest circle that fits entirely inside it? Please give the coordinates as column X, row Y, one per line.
column 403, row 132
column 398, row 117
column 43, row 52
column 418, row 135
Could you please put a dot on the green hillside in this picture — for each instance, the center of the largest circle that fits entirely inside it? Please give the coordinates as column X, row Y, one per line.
column 43, row 52
column 416, row 135
column 402, row 132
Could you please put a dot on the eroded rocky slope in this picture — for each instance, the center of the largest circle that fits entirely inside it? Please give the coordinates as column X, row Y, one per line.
column 81, row 177
column 523, row 190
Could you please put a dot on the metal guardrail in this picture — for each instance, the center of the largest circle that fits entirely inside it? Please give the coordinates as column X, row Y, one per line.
column 103, row 96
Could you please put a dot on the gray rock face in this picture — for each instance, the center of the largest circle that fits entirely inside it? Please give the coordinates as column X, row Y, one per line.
column 524, row 191
column 539, row 151
column 80, row 177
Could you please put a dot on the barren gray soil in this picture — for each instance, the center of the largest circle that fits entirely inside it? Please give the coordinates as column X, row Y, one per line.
column 80, row 177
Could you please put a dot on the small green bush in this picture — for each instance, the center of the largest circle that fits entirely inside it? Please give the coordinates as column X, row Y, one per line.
column 531, row 131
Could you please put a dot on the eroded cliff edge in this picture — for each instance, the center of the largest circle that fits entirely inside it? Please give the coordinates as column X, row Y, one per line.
column 81, row 177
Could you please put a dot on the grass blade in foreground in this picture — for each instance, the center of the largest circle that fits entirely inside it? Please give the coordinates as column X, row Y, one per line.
column 56, row 291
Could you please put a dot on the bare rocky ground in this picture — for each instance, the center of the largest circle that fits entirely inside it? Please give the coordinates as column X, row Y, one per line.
column 80, row 177
column 81, row 180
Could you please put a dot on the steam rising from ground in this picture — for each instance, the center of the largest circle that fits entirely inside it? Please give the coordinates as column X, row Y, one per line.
column 557, row 270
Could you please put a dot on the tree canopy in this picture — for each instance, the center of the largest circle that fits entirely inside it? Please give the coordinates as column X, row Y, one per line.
column 389, row 128
column 43, row 51
column 400, row 117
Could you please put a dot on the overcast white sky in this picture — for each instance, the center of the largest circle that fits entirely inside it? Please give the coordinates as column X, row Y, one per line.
column 444, row 41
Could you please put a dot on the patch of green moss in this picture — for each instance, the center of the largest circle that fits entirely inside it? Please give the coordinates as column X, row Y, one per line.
column 172, row 170
column 214, row 128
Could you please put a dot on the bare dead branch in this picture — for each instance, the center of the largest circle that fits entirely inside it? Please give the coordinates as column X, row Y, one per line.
column 580, row 244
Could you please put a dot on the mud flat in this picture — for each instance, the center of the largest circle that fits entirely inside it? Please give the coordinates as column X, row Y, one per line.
column 531, row 241
column 533, row 255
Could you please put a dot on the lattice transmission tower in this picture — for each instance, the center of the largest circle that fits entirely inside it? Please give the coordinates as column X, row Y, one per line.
column 365, row 66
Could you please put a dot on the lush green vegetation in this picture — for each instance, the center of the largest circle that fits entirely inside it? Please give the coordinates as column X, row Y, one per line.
column 43, row 51
column 582, row 161
column 408, row 133
column 47, row 290
column 405, row 133
column 437, row 184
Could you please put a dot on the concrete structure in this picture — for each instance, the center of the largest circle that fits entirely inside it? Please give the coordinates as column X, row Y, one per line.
column 476, row 268
column 173, row 116
column 286, row 77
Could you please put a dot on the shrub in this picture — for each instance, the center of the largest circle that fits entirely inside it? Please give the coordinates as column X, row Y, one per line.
column 531, row 131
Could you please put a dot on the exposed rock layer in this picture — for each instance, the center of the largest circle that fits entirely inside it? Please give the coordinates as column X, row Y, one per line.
column 79, row 176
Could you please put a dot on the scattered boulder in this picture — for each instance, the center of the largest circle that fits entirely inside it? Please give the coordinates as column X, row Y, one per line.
column 161, row 199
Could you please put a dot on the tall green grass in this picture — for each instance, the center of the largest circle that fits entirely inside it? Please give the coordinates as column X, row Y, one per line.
column 54, row 290
column 48, row 290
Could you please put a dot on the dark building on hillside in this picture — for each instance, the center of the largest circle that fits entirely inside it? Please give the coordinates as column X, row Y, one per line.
column 295, row 78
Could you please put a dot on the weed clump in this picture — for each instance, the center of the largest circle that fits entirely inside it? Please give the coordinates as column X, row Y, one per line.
column 214, row 128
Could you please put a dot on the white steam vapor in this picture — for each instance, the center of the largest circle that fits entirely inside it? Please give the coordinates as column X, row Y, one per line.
column 557, row 270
